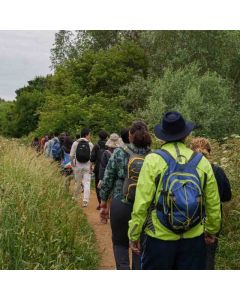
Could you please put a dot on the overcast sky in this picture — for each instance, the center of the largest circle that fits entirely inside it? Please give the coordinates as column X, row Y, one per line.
column 23, row 56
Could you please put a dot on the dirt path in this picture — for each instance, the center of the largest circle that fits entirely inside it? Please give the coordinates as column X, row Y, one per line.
column 103, row 234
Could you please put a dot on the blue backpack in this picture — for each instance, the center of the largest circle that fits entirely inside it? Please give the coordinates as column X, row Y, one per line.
column 56, row 150
column 180, row 203
column 66, row 161
column 66, row 164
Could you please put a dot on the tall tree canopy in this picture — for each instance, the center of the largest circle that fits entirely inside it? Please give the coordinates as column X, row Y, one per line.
column 105, row 79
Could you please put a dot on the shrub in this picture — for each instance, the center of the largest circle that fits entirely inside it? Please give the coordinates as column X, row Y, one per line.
column 202, row 98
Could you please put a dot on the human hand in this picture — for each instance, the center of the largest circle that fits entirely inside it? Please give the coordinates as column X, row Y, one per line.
column 99, row 184
column 209, row 238
column 135, row 246
column 104, row 212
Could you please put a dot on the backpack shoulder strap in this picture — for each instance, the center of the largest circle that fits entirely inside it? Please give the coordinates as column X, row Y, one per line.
column 165, row 155
column 82, row 142
column 195, row 159
column 127, row 150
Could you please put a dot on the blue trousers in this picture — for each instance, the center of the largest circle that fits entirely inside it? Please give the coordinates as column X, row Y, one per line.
column 184, row 254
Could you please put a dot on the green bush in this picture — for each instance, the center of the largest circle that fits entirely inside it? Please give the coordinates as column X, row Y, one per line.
column 204, row 99
column 40, row 226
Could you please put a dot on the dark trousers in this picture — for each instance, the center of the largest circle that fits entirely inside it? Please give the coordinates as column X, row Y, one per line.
column 121, row 255
column 184, row 254
column 210, row 259
column 96, row 188
column 120, row 214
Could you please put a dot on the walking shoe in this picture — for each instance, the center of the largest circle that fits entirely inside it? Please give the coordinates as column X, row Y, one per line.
column 85, row 204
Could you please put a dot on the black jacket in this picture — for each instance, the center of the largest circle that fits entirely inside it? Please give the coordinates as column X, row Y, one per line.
column 104, row 161
column 96, row 154
column 223, row 183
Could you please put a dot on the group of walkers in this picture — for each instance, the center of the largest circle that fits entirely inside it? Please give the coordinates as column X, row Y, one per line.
column 164, row 205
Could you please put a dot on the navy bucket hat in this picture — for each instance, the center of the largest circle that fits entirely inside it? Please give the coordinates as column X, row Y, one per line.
column 173, row 127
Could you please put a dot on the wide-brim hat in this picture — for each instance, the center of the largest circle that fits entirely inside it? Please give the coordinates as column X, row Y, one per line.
column 173, row 127
column 114, row 141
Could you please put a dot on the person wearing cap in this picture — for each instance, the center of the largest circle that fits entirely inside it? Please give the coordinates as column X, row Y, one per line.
column 161, row 247
column 120, row 211
column 112, row 143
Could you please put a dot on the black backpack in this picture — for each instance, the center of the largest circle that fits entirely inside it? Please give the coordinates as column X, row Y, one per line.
column 83, row 152
column 100, row 152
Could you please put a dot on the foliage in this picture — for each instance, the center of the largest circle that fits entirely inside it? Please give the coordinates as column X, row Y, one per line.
column 213, row 50
column 204, row 99
column 127, row 71
column 22, row 115
column 81, row 90
column 72, row 44
column 5, row 111
column 41, row 227
column 136, row 93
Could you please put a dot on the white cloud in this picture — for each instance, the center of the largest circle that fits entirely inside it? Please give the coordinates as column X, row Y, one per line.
column 23, row 56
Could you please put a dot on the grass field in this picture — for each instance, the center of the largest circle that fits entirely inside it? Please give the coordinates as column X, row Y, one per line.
column 226, row 154
column 40, row 225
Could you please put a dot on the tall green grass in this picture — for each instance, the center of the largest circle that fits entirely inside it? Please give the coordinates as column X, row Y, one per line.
column 226, row 154
column 40, row 226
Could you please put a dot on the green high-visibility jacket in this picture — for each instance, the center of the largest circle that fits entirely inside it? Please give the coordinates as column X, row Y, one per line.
column 153, row 166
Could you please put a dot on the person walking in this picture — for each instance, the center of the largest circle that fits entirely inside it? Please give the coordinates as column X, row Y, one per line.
column 80, row 159
column 96, row 156
column 43, row 141
column 203, row 146
column 115, row 175
column 36, row 144
column 66, row 161
column 46, row 145
column 169, row 209
column 112, row 143
column 54, row 148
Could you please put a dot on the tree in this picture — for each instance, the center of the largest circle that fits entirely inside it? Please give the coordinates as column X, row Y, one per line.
column 63, row 47
column 205, row 99
column 72, row 44
column 23, row 115
column 212, row 50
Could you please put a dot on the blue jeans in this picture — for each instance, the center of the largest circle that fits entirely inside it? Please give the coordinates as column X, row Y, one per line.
column 184, row 254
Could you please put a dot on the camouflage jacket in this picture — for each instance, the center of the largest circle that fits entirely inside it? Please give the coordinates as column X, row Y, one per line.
column 116, row 171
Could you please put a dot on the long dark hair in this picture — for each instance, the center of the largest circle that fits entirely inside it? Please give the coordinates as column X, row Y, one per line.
column 67, row 144
column 140, row 134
